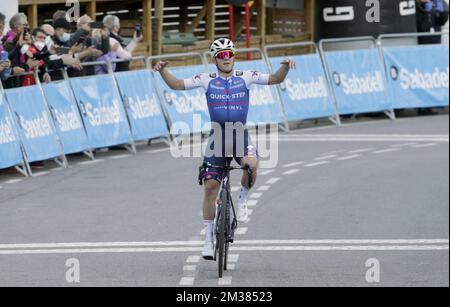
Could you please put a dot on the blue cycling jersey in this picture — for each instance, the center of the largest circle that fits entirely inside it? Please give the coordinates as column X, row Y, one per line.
column 228, row 98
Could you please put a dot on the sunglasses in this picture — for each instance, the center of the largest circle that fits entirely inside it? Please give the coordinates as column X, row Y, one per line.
column 225, row 55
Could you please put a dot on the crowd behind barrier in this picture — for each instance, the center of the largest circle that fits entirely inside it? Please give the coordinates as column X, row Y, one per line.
column 49, row 121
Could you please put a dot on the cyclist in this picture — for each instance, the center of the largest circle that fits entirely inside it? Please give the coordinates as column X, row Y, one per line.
column 228, row 98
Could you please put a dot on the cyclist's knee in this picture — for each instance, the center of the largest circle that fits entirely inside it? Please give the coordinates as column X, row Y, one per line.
column 252, row 162
column 211, row 187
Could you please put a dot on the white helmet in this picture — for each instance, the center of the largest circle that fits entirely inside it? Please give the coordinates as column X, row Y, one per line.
column 222, row 44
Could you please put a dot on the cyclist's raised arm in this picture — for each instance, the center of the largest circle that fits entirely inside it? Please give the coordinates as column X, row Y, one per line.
column 170, row 79
column 281, row 74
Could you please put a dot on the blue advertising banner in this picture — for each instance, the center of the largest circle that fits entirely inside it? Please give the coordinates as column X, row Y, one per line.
column 418, row 76
column 66, row 116
column 102, row 111
column 264, row 107
column 305, row 93
column 36, row 127
column 10, row 153
column 142, row 105
column 183, row 105
column 359, row 81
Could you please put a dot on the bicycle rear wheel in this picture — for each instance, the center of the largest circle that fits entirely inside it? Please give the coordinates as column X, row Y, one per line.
column 222, row 233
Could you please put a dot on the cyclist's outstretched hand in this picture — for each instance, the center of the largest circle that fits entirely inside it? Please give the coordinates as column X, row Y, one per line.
column 160, row 66
column 289, row 63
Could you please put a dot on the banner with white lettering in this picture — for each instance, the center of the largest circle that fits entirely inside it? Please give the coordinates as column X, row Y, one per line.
column 264, row 107
column 359, row 81
column 10, row 153
column 142, row 105
column 36, row 127
column 102, row 111
column 305, row 92
column 182, row 105
column 66, row 116
column 418, row 76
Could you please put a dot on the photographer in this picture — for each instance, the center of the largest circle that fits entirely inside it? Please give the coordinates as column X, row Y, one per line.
column 123, row 51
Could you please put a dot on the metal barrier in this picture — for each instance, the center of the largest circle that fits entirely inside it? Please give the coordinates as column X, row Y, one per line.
column 396, row 65
column 61, row 160
column 390, row 112
column 336, row 120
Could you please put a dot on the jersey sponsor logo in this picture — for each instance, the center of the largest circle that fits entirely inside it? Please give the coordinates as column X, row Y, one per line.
column 341, row 13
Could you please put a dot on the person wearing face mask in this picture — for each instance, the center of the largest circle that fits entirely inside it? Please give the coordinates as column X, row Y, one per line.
column 38, row 51
column 62, row 36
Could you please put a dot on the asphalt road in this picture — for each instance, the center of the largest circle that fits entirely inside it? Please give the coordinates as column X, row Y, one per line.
column 342, row 201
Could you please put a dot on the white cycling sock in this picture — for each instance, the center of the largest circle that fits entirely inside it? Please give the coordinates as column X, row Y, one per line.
column 243, row 195
column 209, row 225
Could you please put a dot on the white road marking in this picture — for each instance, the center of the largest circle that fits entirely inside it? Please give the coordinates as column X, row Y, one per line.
column 293, row 164
column 291, row 172
column 256, row 195
column 12, row 181
column 252, row 203
column 90, row 162
column 241, row 230
column 278, row 245
column 325, row 157
column 368, row 135
column 424, row 145
column 187, row 281
column 348, row 157
column 189, row 268
column 119, row 157
column 264, row 188
column 233, row 258
column 40, row 174
column 386, row 150
column 203, row 232
column 231, row 267
column 360, row 150
column 193, row 259
column 331, row 152
column 250, row 212
column 200, row 243
column 273, row 180
column 317, row 164
column 403, row 145
column 225, row 281
column 267, row 172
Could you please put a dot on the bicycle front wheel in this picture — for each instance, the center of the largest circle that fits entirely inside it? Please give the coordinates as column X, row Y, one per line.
column 222, row 232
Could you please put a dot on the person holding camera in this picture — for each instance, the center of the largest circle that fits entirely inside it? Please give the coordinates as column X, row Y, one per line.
column 13, row 42
column 112, row 23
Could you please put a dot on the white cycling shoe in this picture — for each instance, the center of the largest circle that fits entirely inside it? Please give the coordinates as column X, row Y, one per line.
column 242, row 213
column 208, row 251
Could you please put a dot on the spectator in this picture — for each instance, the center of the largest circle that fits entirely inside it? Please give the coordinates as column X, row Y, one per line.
column 123, row 51
column 62, row 32
column 5, row 65
column 13, row 42
column 109, row 56
column 431, row 16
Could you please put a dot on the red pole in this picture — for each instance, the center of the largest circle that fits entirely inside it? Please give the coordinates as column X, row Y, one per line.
column 231, row 13
column 247, row 24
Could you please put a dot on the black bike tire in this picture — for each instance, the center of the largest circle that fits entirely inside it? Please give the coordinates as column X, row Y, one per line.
column 222, row 239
